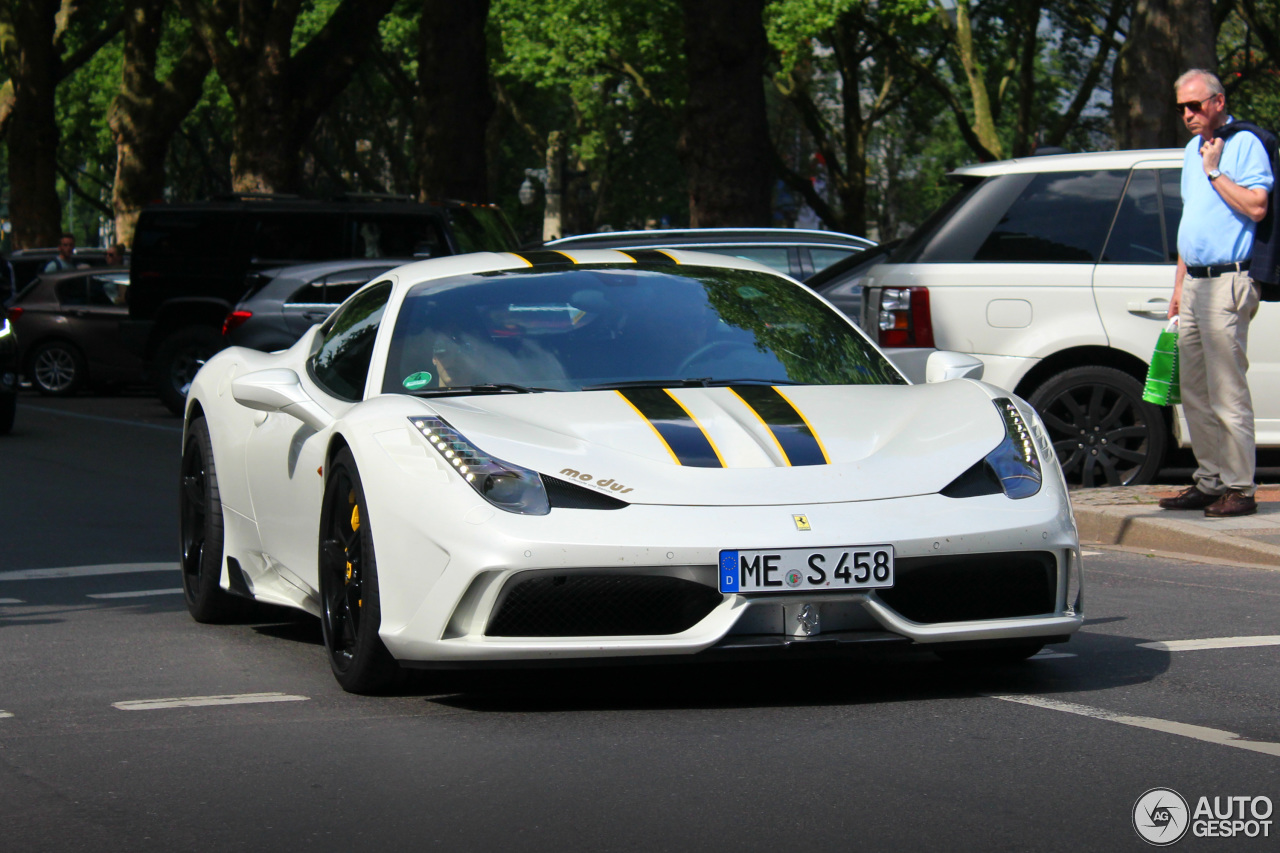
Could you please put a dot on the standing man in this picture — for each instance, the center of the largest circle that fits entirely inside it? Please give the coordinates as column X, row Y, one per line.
column 1224, row 195
column 66, row 247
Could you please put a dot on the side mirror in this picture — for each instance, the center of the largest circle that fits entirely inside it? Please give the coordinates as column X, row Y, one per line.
column 279, row 390
column 943, row 366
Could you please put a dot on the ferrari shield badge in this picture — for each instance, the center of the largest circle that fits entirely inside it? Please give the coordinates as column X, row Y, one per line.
column 802, row 522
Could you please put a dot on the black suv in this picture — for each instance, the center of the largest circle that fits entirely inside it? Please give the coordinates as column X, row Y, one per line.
column 190, row 261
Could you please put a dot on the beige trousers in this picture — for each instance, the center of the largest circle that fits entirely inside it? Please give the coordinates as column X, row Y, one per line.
column 1213, row 342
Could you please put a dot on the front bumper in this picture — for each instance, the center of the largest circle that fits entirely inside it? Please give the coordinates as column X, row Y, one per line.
column 449, row 624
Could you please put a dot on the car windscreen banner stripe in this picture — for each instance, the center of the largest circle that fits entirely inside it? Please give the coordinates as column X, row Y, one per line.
column 684, row 436
column 650, row 256
column 793, row 432
column 544, row 257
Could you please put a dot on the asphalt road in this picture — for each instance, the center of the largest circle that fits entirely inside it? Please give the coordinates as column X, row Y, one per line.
column 899, row 752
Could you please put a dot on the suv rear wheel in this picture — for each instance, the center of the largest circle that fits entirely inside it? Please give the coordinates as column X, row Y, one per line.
column 1102, row 430
column 178, row 358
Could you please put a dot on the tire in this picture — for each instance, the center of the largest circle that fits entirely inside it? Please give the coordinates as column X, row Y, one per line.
column 57, row 369
column 201, row 533
column 1013, row 651
column 351, row 612
column 8, row 409
column 177, row 360
column 1102, row 430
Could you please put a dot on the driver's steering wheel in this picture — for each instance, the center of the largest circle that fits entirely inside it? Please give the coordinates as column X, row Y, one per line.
column 705, row 350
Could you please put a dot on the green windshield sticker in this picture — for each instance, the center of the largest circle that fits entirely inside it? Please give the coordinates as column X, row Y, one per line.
column 414, row 381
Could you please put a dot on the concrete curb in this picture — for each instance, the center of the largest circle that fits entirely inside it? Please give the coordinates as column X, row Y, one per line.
column 1139, row 527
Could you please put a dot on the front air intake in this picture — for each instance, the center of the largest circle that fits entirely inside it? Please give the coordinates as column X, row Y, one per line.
column 590, row 604
column 973, row 586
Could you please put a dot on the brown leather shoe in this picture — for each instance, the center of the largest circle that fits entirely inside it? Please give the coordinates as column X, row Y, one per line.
column 1192, row 498
column 1231, row 504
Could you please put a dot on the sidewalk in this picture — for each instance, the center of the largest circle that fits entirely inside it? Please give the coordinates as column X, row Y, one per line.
column 1129, row 516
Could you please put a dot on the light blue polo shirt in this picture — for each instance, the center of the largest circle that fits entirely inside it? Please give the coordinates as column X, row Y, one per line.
column 1211, row 232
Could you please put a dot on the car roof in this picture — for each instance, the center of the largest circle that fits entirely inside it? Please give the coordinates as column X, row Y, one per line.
column 713, row 236
column 318, row 268
column 1075, row 162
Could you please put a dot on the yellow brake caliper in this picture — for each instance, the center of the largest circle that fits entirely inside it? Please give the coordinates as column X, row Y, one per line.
column 355, row 526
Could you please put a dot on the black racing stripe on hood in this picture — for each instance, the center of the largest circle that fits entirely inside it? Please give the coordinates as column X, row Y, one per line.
column 686, row 440
column 545, row 257
column 798, row 442
column 650, row 256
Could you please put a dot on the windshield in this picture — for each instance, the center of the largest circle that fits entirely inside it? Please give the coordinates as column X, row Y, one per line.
column 588, row 327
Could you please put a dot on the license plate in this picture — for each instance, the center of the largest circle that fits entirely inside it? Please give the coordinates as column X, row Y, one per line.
column 807, row 569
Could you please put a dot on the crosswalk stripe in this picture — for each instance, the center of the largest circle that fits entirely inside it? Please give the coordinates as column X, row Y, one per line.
column 201, row 701
column 1201, row 733
column 87, row 571
column 136, row 593
column 1211, row 643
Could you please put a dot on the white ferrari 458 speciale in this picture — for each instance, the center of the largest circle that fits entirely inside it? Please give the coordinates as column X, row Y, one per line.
column 546, row 456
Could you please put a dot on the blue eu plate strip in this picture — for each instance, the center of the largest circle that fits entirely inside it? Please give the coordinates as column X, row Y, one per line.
column 728, row 571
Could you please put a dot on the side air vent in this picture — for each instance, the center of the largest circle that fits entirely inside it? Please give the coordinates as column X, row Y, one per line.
column 572, row 496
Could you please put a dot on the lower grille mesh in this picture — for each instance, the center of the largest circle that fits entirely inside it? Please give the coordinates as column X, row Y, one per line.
column 600, row 605
column 973, row 586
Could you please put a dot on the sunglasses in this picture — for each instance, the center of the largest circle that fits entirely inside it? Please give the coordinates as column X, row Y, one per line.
column 1194, row 106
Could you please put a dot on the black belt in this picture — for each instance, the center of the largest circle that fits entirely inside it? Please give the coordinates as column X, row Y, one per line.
column 1214, row 272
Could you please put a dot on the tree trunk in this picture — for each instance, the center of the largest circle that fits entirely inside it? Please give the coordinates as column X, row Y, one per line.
column 724, row 141
column 278, row 95
column 147, row 113
column 1166, row 38
column 32, row 126
column 454, row 104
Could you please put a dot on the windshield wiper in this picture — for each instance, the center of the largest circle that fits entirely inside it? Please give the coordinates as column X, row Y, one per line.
column 489, row 388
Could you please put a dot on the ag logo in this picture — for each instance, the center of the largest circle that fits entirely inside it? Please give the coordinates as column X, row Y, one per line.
column 1160, row 816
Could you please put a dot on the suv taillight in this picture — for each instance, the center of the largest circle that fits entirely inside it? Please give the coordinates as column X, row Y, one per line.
column 15, row 312
column 234, row 320
column 904, row 319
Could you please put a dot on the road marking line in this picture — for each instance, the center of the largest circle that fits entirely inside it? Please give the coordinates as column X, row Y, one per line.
column 1048, row 655
column 1202, row 733
column 101, row 418
column 201, row 701
column 11, row 601
column 87, row 571
column 137, row 594
column 1090, row 553
column 1211, row 643
column 5, row 714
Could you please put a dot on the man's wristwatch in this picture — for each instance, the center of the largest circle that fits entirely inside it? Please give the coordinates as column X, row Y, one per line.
column 1214, row 174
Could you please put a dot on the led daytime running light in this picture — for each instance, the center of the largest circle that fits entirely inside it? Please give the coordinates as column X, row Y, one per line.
column 1015, row 462
column 502, row 484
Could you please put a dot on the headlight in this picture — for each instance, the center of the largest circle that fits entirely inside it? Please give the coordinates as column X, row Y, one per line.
column 502, row 484
column 4, row 326
column 1013, row 467
column 1015, row 462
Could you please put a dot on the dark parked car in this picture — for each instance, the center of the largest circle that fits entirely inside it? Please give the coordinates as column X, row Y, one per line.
column 283, row 303
column 8, row 374
column 68, row 326
column 25, row 264
column 796, row 252
column 190, row 261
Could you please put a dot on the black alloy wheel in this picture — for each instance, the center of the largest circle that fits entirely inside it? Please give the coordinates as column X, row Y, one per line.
column 350, row 610
column 57, row 369
column 1103, row 432
column 179, row 358
column 201, row 532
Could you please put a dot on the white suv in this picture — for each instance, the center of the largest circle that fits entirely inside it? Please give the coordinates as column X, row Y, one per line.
column 1056, row 271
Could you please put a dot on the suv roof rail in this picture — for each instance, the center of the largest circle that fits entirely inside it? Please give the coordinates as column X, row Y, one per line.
column 257, row 197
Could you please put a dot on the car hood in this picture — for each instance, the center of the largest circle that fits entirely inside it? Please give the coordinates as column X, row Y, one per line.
column 759, row 445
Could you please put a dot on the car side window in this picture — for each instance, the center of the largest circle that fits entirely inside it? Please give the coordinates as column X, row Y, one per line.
column 386, row 236
column 1137, row 236
column 283, row 236
column 823, row 257
column 775, row 257
column 72, row 291
column 341, row 364
column 1059, row 217
column 1171, row 195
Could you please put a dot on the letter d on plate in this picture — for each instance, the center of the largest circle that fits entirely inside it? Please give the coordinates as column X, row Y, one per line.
column 728, row 571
